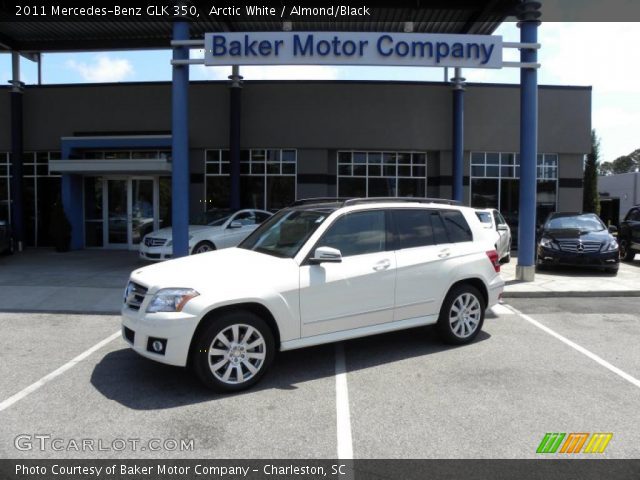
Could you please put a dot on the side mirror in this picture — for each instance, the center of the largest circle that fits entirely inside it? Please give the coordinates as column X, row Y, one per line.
column 613, row 229
column 326, row 255
column 503, row 227
column 235, row 224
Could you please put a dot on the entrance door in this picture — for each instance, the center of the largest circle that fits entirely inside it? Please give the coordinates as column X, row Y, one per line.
column 131, row 210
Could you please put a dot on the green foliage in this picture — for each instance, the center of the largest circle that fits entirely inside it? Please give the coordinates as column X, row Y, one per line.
column 624, row 164
column 60, row 228
column 590, row 197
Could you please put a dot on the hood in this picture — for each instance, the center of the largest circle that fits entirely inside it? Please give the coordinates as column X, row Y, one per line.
column 167, row 232
column 574, row 233
column 212, row 272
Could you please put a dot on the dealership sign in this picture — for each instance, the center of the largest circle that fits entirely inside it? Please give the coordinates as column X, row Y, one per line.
column 349, row 48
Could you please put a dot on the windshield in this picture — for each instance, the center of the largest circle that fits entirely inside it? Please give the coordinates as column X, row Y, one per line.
column 585, row 223
column 284, row 234
column 213, row 218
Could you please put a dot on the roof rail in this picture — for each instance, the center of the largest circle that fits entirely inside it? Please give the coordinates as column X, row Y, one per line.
column 357, row 201
column 312, row 201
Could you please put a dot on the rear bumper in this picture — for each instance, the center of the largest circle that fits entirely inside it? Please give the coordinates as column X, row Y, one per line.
column 550, row 257
column 494, row 291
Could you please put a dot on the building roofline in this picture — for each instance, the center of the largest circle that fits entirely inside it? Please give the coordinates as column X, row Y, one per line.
column 298, row 82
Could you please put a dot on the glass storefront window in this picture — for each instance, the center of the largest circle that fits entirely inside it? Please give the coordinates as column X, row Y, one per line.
column 93, row 212
column 267, row 178
column 381, row 174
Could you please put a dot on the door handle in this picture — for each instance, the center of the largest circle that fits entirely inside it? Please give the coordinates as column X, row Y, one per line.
column 444, row 253
column 382, row 265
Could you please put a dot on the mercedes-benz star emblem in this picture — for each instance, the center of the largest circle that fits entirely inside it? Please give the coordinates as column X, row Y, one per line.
column 580, row 247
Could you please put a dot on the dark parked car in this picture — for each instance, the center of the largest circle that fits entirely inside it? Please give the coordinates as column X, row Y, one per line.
column 577, row 239
column 6, row 240
column 629, row 236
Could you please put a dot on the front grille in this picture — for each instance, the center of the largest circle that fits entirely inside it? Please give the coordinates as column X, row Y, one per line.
column 134, row 295
column 154, row 242
column 578, row 246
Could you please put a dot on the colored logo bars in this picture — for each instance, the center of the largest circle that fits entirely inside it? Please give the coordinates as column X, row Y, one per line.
column 574, row 443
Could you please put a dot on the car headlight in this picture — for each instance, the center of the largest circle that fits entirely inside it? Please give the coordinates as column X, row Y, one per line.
column 548, row 243
column 613, row 245
column 171, row 299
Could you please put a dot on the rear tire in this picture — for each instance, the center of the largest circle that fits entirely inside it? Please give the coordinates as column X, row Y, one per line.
column 462, row 315
column 233, row 352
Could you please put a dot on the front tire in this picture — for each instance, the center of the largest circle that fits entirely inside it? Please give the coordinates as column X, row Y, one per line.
column 233, row 352
column 461, row 315
column 203, row 247
column 626, row 254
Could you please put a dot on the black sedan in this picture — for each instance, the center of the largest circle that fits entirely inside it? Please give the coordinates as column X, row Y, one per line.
column 577, row 239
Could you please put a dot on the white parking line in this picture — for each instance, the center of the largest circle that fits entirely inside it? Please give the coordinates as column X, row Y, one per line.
column 47, row 378
column 584, row 351
column 343, row 418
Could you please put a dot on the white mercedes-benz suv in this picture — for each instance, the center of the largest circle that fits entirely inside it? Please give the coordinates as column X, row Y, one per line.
column 320, row 271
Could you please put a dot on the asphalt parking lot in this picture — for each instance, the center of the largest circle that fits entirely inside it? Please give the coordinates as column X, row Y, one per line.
column 403, row 395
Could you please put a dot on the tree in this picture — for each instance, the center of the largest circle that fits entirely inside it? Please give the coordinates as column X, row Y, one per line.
column 590, row 197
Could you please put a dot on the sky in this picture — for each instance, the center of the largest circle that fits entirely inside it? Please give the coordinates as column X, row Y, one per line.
column 601, row 55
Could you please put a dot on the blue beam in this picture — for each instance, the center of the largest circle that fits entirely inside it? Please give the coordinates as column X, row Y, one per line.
column 457, row 147
column 528, row 143
column 180, row 144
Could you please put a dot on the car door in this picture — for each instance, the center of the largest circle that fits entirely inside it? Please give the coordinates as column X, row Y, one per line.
column 358, row 291
column 423, row 255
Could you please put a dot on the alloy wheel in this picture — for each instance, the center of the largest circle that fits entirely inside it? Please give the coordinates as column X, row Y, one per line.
column 237, row 354
column 465, row 315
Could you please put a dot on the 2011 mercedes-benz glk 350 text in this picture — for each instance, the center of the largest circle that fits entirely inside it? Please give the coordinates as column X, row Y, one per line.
column 320, row 271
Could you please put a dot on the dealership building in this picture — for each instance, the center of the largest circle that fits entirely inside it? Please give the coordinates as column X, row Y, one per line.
column 128, row 157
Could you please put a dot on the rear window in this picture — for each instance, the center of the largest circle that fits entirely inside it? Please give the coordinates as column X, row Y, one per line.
column 484, row 217
column 456, row 226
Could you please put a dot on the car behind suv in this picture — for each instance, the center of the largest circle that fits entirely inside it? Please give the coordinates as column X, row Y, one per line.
column 579, row 240
column 629, row 235
column 318, row 272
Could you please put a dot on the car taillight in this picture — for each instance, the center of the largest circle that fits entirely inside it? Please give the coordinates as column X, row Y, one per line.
column 494, row 259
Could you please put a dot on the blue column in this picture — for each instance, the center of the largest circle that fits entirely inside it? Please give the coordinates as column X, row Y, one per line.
column 180, row 144
column 235, row 92
column 457, row 138
column 71, row 191
column 17, row 195
column 528, row 16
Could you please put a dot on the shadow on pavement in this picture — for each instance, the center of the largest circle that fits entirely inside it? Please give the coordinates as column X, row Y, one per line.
column 141, row 384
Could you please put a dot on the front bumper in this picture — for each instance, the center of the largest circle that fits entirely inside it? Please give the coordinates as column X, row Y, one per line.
column 176, row 329
column 548, row 256
column 155, row 254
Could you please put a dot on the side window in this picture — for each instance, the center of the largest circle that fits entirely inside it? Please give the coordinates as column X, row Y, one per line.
column 457, row 227
column 499, row 218
column 357, row 233
column 439, row 232
column 245, row 218
column 413, row 228
column 261, row 217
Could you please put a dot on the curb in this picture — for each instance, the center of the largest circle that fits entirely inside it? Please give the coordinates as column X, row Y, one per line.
column 573, row 294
